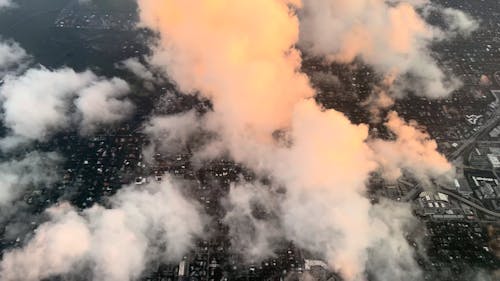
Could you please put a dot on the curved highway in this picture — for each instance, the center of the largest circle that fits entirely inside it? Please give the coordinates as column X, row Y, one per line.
column 468, row 202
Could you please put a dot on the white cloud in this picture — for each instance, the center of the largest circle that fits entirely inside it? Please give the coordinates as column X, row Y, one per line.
column 6, row 4
column 38, row 103
column 137, row 68
column 459, row 21
column 241, row 56
column 171, row 133
column 116, row 244
column 391, row 258
column 412, row 150
column 393, row 37
column 103, row 103
column 12, row 56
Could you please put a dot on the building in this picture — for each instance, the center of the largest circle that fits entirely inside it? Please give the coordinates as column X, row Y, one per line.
column 494, row 157
column 486, row 187
column 437, row 206
column 462, row 186
column 318, row 270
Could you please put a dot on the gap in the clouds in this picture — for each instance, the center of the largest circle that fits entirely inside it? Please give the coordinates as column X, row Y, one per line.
column 34, row 25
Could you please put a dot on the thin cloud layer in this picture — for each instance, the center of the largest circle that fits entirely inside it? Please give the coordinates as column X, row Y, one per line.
column 137, row 68
column 6, row 4
column 12, row 56
column 34, row 170
column 172, row 133
column 252, row 217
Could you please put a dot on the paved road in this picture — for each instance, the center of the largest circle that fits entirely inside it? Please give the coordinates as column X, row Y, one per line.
column 469, row 203
column 487, row 142
column 484, row 129
column 412, row 194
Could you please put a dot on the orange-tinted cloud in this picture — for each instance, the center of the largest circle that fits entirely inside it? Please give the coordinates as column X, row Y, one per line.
column 412, row 150
column 241, row 55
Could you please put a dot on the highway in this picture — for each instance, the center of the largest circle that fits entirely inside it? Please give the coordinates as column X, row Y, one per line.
column 485, row 128
column 412, row 194
column 468, row 202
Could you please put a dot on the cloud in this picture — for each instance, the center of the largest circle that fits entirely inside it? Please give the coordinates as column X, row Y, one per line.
column 241, row 55
column 156, row 219
column 254, row 227
column 459, row 21
column 12, row 56
column 56, row 247
column 377, row 102
column 391, row 36
column 38, row 103
column 172, row 133
column 325, row 170
column 137, row 68
column 412, row 150
column 455, row 22
column 220, row 59
column 6, row 4
column 33, row 170
column 392, row 258
column 142, row 71
column 102, row 103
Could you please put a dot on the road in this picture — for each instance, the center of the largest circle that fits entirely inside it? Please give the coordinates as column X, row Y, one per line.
column 485, row 128
column 468, row 202
column 412, row 194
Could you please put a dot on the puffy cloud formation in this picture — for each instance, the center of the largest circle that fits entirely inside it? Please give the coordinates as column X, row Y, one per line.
column 217, row 48
column 412, row 150
column 35, row 103
column 35, row 170
column 241, row 55
column 38, row 103
column 56, row 247
column 103, row 103
column 389, row 35
column 328, row 152
column 116, row 243
column 325, row 171
column 459, row 21
column 12, row 56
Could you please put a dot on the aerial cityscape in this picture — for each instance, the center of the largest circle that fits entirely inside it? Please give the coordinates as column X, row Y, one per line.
column 211, row 140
